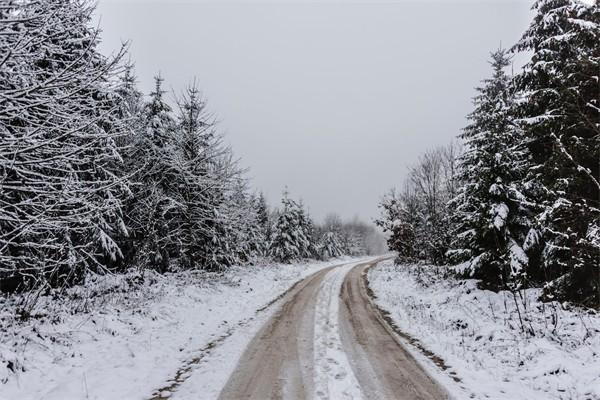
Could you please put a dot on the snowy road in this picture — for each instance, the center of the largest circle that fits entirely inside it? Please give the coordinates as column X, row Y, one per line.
column 327, row 341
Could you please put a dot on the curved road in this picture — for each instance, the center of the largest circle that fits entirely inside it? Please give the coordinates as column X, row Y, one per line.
column 328, row 341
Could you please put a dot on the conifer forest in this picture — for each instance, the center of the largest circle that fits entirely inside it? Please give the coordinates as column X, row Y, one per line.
column 143, row 256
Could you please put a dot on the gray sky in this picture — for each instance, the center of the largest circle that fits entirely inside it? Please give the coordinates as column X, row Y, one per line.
column 333, row 100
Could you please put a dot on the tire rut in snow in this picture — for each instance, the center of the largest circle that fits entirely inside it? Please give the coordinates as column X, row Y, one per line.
column 184, row 372
column 276, row 363
column 333, row 375
column 327, row 341
column 383, row 367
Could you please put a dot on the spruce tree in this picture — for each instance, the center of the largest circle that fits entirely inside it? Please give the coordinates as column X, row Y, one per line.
column 307, row 226
column 330, row 245
column 61, row 193
column 332, row 241
column 489, row 216
column 290, row 238
column 246, row 232
column 264, row 221
column 152, row 208
column 203, row 177
column 130, row 107
column 560, row 116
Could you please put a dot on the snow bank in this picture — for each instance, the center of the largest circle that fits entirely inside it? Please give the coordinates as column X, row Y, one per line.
column 131, row 333
column 538, row 351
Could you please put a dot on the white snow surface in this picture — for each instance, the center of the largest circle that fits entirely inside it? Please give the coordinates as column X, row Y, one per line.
column 499, row 213
column 333, row 375
column 479, row 335
column 128, row 339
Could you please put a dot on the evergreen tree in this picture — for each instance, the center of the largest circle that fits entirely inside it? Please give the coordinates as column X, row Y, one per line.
column 331, row 241
column 130, row 105
column 491, row 221
column 308, row 227
column 61, row 195
column 561, row 119
column 204, row 175
column 330, row 245
column 264, row 222
column 247, row 234
column 290, row 239
column 152, row 208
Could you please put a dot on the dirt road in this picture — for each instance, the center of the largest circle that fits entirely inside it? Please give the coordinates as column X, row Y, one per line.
column 328, row 341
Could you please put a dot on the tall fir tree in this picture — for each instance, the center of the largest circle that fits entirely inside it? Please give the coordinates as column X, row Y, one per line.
column 152, row 208
column 204, row 176
column 491, row 222
column 246, row 232
column 561, row 119
column 308, row 227
column 130, row 107
column 264, row 221
column 61, row 194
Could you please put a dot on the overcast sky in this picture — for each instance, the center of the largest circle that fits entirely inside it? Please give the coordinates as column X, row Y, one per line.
column 333, row 100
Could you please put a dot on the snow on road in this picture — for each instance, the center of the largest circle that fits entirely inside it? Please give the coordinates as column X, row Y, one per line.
column 137, row 336
column 330, row 317
column 333, row 375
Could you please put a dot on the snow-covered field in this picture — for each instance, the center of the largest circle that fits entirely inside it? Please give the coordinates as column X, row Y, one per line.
column 553, row 354
column 132, row 334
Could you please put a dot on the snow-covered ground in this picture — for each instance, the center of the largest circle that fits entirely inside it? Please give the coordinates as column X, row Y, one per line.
column 131, row 335
column 333, row 375
column 554, row 353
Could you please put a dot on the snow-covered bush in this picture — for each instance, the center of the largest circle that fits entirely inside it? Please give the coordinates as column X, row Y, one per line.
column 494, row 345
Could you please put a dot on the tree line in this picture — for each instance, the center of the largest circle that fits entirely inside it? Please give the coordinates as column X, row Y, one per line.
column 97, row 177
column 518, row 201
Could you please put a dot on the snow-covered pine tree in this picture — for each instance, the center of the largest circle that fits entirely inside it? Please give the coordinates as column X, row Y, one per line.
column 246, row 231
column 489, row 217
column 204, row 175
column 152, row 208
column 289, row 240
column 60, row 196
column 130, row 102
column 561, row 119
column 308, row 227
column 264, row 222
column 330, row 245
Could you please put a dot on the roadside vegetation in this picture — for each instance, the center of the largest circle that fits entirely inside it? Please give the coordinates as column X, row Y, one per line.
column 517, row 202
column 98, row 178
column 497, row 235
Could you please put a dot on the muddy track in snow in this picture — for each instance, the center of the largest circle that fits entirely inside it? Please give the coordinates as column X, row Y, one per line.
column 328, row 340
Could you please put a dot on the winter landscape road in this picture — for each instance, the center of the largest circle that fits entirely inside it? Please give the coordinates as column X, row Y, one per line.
column 328, row 341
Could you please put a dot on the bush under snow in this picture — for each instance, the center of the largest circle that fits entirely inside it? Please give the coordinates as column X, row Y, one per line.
column 133, row 330
column 500, row 346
